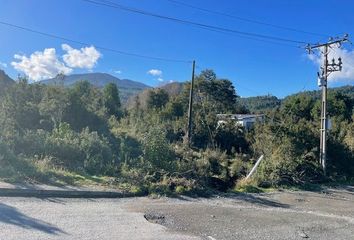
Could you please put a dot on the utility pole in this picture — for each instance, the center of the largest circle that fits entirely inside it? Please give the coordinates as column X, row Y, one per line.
column 326, row 70
column 190, row 110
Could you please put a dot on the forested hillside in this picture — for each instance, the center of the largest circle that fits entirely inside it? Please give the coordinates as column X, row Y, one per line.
column 262, row 104
column 48, row 132
column 172, row 89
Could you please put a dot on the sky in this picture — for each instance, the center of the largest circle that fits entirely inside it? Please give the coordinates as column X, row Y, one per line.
column 255, row 67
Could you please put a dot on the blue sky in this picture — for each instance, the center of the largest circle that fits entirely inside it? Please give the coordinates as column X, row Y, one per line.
column 255, row 67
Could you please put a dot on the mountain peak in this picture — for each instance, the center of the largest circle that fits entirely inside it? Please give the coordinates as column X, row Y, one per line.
column 5, row 80
column 4, row 77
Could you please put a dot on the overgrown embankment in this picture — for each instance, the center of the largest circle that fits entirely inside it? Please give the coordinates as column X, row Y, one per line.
column 68, row 135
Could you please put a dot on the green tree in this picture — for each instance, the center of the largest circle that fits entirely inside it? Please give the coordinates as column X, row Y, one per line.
column 86, row 108
column 53, row 104
column 212, row 96
column 157, row 99
column 174, row 109
column 112, row 100
column 339, row 106
column 20, row 105
column 297, row 107
column 207, row 75
column 219, row 92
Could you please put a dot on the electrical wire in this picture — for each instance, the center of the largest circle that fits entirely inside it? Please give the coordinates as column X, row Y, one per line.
column 258, row 39
column 247, row 19
column 96, row 46
column 111, row 4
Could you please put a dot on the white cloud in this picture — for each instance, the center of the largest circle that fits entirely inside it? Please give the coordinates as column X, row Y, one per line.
column 2, row 64
column 86, row 57
column 118, row 72
column 40, row 65
column 155, row 72
column 160, row 79
column 347, row 73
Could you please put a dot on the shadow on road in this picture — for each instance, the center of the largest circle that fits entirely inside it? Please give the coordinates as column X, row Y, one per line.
column 10, row 215
column 245, row 197
column 258, row 200
column 53, row 200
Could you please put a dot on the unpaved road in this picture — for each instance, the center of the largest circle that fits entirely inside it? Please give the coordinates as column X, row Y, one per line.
column 281, row 215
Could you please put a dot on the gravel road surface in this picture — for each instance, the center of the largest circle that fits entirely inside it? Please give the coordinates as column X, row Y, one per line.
column 282, row 215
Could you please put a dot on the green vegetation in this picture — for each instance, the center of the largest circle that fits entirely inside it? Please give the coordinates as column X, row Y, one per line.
column 127, row 88
column 83, row 135
column 260, row 104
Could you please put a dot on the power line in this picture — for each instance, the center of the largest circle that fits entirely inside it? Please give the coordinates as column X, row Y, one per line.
column 199, row 66
column 111, row 4
column 98, row 47
column 247, row 19
column 258, row 39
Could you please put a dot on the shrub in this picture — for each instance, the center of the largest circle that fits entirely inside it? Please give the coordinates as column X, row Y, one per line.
column 76, row 151
column 157, row 149
column 231, row 137
column 247, row 185
column 99, row 157
column 212, row 166
column 239, row 167
column 285, row 167
column 15, row 168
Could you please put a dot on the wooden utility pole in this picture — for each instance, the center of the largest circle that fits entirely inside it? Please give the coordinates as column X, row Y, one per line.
column 326, row 70
column 190, row 109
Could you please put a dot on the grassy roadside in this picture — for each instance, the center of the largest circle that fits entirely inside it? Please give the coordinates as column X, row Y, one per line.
column 41, row 172
column 252, row 188
column 24, row 171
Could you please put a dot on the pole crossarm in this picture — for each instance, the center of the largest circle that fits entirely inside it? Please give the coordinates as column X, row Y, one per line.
column 332, row 41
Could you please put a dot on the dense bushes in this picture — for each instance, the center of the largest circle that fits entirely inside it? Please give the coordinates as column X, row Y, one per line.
column 85, row 129
column 69, row 126
column 6, row 156
column 75, row 151
column 14, row 168
column 291, row 145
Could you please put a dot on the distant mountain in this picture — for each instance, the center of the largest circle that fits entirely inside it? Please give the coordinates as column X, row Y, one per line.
column 127, row 88
column 174, row 88
column 5, row 81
